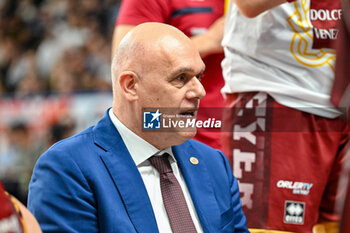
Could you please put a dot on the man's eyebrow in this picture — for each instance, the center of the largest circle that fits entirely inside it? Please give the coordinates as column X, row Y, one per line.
column 185, row 70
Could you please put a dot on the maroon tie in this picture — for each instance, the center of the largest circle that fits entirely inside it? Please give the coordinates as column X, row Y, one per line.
column 173, row 198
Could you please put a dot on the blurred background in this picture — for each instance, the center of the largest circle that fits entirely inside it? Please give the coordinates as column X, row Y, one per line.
column 54, row 77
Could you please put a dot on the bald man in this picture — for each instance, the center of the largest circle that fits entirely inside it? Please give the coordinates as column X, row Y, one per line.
column 104, row 179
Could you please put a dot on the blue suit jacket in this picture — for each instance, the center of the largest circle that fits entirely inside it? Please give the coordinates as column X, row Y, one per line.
column 89, row 183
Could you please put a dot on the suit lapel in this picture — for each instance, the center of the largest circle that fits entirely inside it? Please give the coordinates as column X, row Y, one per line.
column 125, row 175
column 199, row 186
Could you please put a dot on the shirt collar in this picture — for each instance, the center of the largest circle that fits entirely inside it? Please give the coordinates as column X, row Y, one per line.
column 139, row 149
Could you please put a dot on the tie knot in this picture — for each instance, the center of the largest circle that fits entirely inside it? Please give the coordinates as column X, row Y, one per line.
column 161, row 163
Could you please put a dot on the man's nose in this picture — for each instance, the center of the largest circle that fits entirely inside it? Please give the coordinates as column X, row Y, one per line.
column 196, row 89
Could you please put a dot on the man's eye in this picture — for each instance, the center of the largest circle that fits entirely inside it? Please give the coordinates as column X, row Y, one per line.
column 181, row 78
column 180, row 81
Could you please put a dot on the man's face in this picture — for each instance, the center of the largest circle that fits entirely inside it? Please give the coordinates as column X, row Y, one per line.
column 172, row 84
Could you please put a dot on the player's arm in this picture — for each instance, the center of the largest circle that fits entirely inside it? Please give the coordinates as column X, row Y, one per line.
column 253, row 8
column 207, row 43
column 135, row 12
column 210, row 42
column 31, row 225
column 119, row 32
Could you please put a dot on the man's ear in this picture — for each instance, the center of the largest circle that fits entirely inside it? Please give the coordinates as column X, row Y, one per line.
column 128, row 82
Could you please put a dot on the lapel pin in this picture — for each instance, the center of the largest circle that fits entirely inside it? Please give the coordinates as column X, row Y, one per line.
column 194, row 160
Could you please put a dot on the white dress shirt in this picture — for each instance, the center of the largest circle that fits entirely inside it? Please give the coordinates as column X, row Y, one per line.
column 141, row 151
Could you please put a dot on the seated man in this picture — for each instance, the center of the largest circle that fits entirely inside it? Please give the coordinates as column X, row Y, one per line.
column 119, row 177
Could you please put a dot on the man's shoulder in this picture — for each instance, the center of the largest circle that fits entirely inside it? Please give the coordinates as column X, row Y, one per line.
column 69, row 147
column 75, row 140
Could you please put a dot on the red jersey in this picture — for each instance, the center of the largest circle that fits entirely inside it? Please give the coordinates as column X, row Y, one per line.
column 345, row 222
column 341, row 87
column 287, row 162
column 10, row 216
column 341, row 98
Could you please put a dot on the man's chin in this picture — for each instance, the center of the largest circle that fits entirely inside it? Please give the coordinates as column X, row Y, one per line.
column 186, row 135
column 167, row 139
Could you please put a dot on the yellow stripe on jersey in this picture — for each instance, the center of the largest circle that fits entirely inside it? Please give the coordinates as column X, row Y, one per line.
column 326, row 227
column 227, row 2
column 18, row 210
column 252, row 230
